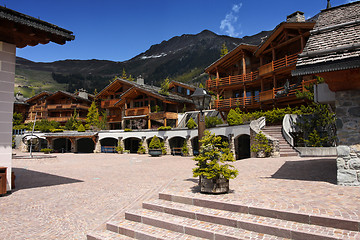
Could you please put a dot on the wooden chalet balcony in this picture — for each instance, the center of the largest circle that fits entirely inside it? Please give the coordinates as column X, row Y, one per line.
column 66, row 106
column 63, row 119
column 114, row 118
column 137, row 111
column 232, row 80
column 278, row 64
column 108, row 103
column 162, row 115
column 254, row 101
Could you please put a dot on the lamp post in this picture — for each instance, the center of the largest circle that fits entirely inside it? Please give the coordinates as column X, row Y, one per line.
column 201, row 100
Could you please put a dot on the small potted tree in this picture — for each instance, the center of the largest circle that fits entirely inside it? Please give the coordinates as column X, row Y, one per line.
column 261, row 146
column 141, row 149
column 155, row 147
column 185, row 149
column 213, row 169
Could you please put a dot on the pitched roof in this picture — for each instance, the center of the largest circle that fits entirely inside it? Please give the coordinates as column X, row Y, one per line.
column 188, row 86
column 23, row 30
column 334, row 44
column 114, row 85
column 74, row 96
column 39, row 95
column 153, row 91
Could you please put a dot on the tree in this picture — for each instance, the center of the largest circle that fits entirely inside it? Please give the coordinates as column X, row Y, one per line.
column 234, row 118
column 73, row 123
column 123, row 75
column 224, row 50
column 164, row 89
column 191, row 124
column 103, row 121
column 93, row 116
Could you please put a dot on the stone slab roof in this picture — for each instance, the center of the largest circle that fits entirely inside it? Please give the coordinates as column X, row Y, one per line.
column 334, row 43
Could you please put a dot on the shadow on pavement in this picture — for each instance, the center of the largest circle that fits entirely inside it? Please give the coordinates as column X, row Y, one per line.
column 32, row 179
column 324, row 170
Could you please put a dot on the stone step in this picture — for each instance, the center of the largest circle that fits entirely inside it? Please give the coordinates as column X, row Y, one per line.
column 192, row 227
column 266, row 225
column 137, row 230
column 294, row 154
column 106, row 235
column 321, row 220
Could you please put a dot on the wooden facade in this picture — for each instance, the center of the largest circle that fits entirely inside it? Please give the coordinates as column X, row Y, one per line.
column 58, row 106
column 139, row 106
column 259, row 77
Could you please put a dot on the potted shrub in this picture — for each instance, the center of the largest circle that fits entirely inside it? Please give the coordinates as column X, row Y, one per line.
column 213, row 169
column 155, row 149
column 191, row 124
column 126, row 151
column 262, row 146
column 46, row 150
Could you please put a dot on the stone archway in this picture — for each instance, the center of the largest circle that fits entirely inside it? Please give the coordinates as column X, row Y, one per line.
column 132, row 144
column 108, row 144
column 195, row 145
column 85, row 145
column 62, row 145
column 176, row 144
column 242, row 146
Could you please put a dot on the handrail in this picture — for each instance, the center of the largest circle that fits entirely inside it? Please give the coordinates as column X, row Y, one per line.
column 235, row 79
column 288, row 125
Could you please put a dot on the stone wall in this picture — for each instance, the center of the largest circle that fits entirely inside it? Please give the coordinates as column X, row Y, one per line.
column 348, row 137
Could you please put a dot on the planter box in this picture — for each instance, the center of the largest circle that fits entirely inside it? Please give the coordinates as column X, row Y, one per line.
column 220, row 185
column 155, row 152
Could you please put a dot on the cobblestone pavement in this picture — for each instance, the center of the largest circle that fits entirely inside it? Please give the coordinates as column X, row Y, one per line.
column 68, row 196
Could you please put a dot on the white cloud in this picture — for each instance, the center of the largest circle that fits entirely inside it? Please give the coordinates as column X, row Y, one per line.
column 227, row 24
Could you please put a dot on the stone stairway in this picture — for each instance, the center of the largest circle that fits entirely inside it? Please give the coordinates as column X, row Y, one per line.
column 286, row 150
column 176, row 216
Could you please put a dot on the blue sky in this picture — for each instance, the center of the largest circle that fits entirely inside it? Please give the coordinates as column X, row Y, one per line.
column 119, row 30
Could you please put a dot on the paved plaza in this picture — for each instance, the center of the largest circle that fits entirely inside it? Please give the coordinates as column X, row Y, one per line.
column 71, row 195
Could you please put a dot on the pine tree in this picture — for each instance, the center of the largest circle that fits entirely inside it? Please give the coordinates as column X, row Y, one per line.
column 93, row 116
column 224, row 50
column 124, row 76
column 164, row 89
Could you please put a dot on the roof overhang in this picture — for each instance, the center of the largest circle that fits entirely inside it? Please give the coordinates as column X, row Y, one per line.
column 22, row 30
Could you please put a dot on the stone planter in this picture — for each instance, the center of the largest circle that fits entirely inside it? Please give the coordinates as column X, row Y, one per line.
column 220, row 185
column 261, row 154
column 155, row 152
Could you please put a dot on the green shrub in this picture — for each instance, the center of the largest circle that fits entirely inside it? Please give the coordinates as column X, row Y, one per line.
column 155, row 143
column 191, row 124
column 54, row 130
column 127, row 130
column 46, row 150
column 163, row 128
column 261, row 144
column 213, row 158
column 141, row 149
column 234, row 118
column 81, row 128
column 119, row 149
column 163, row 149
column 212, row 122
column 185, row 149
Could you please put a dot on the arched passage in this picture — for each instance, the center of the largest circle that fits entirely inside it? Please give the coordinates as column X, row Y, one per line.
column 176, row 144
column 242, row 146
column 85, row 145
column 108, row 144
column 62, row 145
column 132, row 144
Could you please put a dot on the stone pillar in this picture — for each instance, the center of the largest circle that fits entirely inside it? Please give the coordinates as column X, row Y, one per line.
column 97, row 146
column 49, row 143
column 188, row 143
column 7, row 78
column 167, row 145
column 73, row 145
column 144, row 143
column 348, row 136
column 231, row 143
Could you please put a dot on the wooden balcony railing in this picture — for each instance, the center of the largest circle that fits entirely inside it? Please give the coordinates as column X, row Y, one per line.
column 278, row 64
column 263, row 96
column 137, row 111
column 232, row 80
column 108, row 103
column 66, row 106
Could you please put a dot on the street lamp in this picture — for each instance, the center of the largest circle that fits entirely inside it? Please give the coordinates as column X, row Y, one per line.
column 201, row 100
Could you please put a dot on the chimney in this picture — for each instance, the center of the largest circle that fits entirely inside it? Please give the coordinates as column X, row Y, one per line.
column 296, row 17
column 328, row 4
column 83, row 93
column 140, row 80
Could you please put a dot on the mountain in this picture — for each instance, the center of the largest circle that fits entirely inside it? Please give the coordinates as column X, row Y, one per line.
column 181, row 58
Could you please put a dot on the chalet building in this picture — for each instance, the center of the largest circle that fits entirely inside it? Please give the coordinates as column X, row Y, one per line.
column 338, row 62
column 259, row 77
column 136, row 105
column 58, row 106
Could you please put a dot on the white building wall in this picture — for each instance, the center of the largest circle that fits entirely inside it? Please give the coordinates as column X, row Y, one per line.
column 7, row 78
